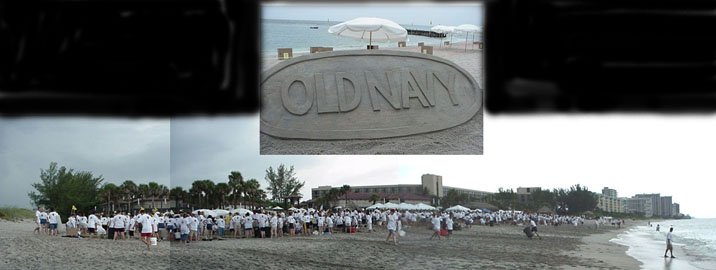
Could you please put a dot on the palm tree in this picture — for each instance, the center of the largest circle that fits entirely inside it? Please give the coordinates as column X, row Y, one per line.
column 109, row 193
column 236, row 183
column 195, row 193
column 208, row 187
column 251, row 188
column 143, row 190
column 153, row 191
column 222, row 190
column 163, row 192
column 178, row 195
column 129, row 192
column 374, row 198
column 343, row 191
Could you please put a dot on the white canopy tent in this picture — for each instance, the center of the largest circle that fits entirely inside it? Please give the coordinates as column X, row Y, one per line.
column 458, row 208
column 277, row 208
column 375, row 206
column 370, row 29
column 241, row 211
column 422, row 206
column 467, row 29
column 391, row 205
column 221, row 212
column 406, row 206
column 205, row 212
column 444, row 29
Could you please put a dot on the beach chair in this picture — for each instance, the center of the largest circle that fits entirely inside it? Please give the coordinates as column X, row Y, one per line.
column 285, row 53
column 372, row 47
column 401, row 44
column 426, row 50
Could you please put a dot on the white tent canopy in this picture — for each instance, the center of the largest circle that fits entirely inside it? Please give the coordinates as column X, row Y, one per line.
column 391, row 205
column 443, row 29
column 241, row 211
column 468, row 28
column 422, row 206
column 205, row 212
column 370, row 29
column 458, row 208
column 406, row 206
column 277, row 208
column 375, row 206
column 221, row 212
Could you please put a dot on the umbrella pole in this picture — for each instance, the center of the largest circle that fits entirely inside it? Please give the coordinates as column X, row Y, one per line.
column 466, row 34
column 370, row 40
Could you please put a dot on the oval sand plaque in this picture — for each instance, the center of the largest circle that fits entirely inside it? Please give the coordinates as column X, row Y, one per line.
column 365, row 95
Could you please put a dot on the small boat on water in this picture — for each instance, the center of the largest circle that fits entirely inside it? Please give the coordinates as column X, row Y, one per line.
column 314, row 27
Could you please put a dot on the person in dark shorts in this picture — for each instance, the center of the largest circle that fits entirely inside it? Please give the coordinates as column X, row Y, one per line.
column 669, row 238
column 533, row 226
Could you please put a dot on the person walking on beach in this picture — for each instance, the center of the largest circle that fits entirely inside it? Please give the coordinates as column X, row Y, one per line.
column 392, row 226
column 533, row 227
column 37, row 220
column 669, row 239
column 54, row 221
column 436, row 225
column 657, row 227
column 147, row 228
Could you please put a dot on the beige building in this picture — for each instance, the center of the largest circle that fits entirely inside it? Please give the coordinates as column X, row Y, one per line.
column 525, row 193
column 431, row 186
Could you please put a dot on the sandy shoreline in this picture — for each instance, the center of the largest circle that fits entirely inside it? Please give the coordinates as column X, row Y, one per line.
column 498, row 247
column 464, row 139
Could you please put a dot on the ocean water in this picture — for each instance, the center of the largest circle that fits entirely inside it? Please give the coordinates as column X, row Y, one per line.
column 694, row 244
column 298, row 35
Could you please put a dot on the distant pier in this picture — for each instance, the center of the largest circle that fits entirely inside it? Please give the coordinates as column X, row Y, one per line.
column 426, row 33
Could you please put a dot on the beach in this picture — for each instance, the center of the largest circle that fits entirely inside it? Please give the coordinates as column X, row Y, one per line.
column 498, row 247
column 464, row 139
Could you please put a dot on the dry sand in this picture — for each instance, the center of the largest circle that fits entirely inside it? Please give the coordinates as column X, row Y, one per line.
column 499, row 247
column 464, row 139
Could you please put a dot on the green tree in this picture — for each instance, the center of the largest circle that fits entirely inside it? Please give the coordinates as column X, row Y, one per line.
column 453, row 198
column 343, row 191
column 282, row 183
column 153, row 189
column 222, row 190
column 236, row 183
column 129, row 192
column 374, row 198
column 253, row 191
column 575, row 200
column 109, row 193
column 143, row 191
column 61, row 188
column 163, row 193
column 505, row 199
column 178, row 195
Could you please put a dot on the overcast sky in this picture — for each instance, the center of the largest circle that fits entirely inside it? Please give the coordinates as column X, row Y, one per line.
column 671, row 155
column 403, row 13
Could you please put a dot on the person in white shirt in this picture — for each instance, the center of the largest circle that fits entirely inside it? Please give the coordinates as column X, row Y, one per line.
column 248, row 225
column 369, row 221
column 54, row 221
column 71, row 222
column 37, row 220
column 92, row 223
column 448, row 224
column 184, row 225
column 392, row 226
column 436, row 225
column 132, row 223
column 347, row 224
column 44, row 221
column 221, row 223
column 194, row 227
column 291, row 225
column 236, row 222
column 669, row 239
column 274, row 225
column 118, row 222
column 280, row 226
column 147, row 228
column 261, row 217
column 82, row 218
column 533, row 225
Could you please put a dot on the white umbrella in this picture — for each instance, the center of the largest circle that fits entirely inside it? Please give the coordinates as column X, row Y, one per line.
column 377, row 205
column 444, row 29
column 423, row 206
column 206, row 212
column 406, row 206
column 391, row 205
column 241, row 211
column 277, row 208
column 458, row 208
column 221, row 212
column 292, row 209
column 467, row 29
column 370, row 29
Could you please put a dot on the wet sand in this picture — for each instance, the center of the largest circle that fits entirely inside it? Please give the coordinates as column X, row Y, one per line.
column 464, row 139
column 498, row 247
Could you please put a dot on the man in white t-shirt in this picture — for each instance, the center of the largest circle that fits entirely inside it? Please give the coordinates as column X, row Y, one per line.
column 392, row 226
column 248, row 225
column 37, row 220
column 184, row 225
column 54, row 218
column 147, row 228
column 92, row 223
column 669, row 239
column 193, row 228
column 273, row 221
column 369, row 222
column 44, row 221
column 118, row 223
column 533, row 227
column 448, row 225
column 436, row 225
column 236, row 221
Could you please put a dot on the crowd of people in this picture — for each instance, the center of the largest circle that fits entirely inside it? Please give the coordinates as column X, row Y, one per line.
column 191, row 227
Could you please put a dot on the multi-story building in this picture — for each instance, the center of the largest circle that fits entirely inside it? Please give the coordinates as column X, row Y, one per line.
column 609, row 192
column 666, row 206
column 655, row 202
column 431, row 186
column 675, row 211
column 525, row 193
column 638, row 206
column 609, row 204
